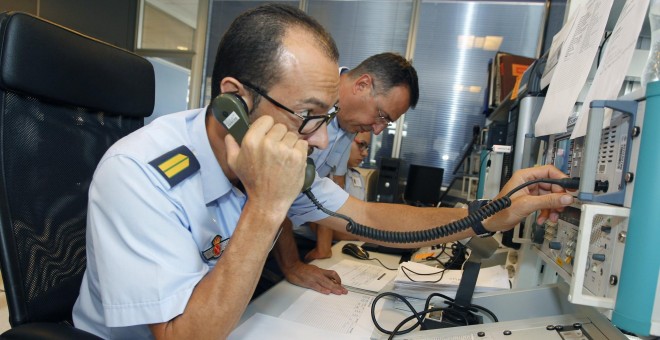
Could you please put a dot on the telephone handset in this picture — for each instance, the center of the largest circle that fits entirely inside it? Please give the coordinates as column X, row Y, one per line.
column 231, row 111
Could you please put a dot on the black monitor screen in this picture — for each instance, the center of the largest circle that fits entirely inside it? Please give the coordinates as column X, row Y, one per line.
column 423, row 185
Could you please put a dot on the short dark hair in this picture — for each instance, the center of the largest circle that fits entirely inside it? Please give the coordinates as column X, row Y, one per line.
column 252, row 45
column 390, row 70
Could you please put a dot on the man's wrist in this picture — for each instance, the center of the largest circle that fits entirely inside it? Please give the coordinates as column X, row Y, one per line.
column 478, row 226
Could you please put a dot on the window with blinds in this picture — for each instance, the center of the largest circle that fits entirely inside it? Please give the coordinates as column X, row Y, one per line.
column 221, row 15
column 454, row 42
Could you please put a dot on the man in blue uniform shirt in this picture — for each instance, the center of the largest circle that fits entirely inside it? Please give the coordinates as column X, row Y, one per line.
column 174, row 206
column 371, row 96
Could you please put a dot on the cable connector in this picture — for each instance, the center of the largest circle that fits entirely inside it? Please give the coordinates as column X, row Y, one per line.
column 570, row 183
column 574, row 183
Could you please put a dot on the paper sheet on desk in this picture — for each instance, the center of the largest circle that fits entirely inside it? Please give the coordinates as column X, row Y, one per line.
column 572, row 70
column 345, row 314
column 614, row 63
column 363, row 275
column 421, row 285
column 261, row 326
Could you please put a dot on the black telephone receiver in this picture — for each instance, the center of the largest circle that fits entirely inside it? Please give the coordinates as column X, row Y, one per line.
column 231, row 111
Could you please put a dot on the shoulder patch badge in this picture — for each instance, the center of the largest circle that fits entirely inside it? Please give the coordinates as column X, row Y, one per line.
column 176, row 165
column 216, row 248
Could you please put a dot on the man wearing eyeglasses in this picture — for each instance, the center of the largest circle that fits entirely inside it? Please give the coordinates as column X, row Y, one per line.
column 372, row 96
column 181, row 217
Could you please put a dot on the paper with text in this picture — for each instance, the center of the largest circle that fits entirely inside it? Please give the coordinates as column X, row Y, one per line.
column 261, row 326
column 345, row 314
column 555, row 51
column 572, row 70
column 614, row 63
column 364, row 276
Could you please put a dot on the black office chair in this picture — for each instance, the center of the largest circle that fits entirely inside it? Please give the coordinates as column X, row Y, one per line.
column 65, row 98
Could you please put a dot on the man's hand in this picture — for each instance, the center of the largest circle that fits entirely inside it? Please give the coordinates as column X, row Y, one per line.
column 323, row 249
column 313, row 277
column 270, row 163
column 549, row 198
column 317, row 254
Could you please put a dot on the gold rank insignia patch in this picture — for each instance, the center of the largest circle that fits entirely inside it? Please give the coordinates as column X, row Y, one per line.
column 176, row 165
column 215, row 250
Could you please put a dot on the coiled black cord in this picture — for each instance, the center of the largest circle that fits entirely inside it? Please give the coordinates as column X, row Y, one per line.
column 484, row 212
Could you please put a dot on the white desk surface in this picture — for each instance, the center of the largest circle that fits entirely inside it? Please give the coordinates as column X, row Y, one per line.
column 277, row 299
column 526, row 326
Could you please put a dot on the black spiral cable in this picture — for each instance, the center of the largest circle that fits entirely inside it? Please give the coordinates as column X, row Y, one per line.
column 484, row 212
column 435, row 233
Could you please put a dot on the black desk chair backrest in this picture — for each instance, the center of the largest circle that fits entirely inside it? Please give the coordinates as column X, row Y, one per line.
column 65, row 98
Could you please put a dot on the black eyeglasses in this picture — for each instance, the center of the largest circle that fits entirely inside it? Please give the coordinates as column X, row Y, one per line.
column 384, row 119
column 310, row 123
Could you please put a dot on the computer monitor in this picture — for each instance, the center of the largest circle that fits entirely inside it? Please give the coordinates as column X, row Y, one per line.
column 424, row 185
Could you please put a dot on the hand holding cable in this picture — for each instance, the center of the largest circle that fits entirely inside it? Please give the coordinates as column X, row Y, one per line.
column 553, row 199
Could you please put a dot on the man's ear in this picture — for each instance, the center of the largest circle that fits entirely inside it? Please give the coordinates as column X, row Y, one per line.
column 232, row 85
column 362, row 83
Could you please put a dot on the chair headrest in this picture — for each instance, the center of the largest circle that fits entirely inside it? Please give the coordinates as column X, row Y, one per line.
column 44, row 60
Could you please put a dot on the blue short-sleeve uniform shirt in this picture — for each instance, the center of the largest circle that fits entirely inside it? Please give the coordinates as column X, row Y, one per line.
column 334, row 158
column 150, row 240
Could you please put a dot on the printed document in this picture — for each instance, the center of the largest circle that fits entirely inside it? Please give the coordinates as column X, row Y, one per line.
column 614, row 64
column 364, row 277
column 572, row 70
column 345, row 314
column 261, row 326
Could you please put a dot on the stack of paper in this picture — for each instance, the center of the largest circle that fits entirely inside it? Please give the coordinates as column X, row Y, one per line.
column 432, row 280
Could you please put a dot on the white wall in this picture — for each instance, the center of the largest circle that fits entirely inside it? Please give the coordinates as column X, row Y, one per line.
column 171, row 88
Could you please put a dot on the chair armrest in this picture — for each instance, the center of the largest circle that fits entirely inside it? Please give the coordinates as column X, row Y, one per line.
column 42, row 330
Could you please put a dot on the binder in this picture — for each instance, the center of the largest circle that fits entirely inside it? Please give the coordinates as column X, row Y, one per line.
column 508, row 70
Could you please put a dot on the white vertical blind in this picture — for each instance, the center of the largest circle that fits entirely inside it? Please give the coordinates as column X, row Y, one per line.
column 222, row 13
column 364, row 28
column 453, row 78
